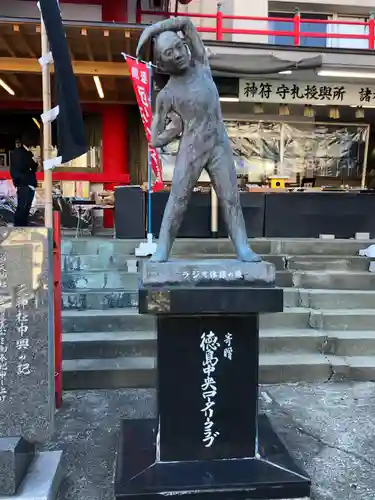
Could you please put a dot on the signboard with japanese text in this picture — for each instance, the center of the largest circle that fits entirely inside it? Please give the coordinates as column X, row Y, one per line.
column 219, row 366
column 140, row 75
column 312, row 93
column 27, row 395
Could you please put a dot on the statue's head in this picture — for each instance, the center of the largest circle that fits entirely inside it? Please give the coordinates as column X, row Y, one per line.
column 171, row 52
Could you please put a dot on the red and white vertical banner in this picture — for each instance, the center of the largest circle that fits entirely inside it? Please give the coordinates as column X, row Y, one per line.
column 140, row 75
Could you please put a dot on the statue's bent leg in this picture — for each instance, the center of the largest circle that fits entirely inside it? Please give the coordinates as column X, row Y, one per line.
column 223, row 175
column 184, row 179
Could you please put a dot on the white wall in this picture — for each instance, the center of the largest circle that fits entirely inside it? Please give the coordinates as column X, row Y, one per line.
column 257, row 8
column 353, row 6
column 72, row 12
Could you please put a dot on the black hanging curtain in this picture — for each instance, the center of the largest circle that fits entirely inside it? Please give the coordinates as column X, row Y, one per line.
column 70, row 128
column 241, row 65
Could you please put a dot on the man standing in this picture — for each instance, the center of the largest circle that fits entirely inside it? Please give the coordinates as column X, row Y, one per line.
column 23, row 172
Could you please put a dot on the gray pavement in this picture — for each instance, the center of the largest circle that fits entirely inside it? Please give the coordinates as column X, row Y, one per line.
column 328, row 427
column 330, row 430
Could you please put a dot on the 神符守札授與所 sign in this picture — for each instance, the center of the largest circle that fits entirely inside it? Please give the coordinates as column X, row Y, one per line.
column 289, row 92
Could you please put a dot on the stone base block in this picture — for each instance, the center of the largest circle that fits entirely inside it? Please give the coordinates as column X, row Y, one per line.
column 42, row 479
column 16, row 455
column 210, row 272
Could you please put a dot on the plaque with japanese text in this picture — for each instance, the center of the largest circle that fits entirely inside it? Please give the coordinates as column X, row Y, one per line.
column 208, row 373
column 307, row 93
column 26, row 345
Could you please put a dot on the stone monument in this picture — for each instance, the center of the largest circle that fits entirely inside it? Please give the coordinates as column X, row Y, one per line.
column 27, row 399
column 208, row 440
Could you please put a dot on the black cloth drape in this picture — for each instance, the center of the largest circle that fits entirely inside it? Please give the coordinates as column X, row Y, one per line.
column 70, row 128
column 241, row 65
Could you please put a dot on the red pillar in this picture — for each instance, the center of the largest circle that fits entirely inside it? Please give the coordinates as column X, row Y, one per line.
column 115, row 148
column 115, row 11
column 115, row 144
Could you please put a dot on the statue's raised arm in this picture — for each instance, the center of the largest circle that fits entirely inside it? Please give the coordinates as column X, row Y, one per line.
column 177, row 24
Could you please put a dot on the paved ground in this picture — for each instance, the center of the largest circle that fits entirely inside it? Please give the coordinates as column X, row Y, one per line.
column 329, row 427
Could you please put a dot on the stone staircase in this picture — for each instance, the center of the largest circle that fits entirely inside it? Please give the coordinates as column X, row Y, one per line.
column 327, row 328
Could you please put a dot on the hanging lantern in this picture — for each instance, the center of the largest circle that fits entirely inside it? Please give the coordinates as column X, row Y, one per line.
column 258, row 109
column 284, row 110
column 359, row 113
column 308, row 112
column 334, row 113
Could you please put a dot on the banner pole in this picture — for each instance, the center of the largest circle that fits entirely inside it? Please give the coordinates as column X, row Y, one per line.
column 46, row 83
column 149, row 210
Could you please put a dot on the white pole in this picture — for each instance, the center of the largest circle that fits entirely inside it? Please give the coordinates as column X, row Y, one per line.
column 214, row 213
column 364, row 166
column 46, row 86
column 280, row 170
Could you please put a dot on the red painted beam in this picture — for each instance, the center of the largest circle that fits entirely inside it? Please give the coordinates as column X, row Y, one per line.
column 97, row 177
column 82, row 2
column 38, row 106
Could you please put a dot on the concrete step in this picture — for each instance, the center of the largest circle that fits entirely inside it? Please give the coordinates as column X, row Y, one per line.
column 350, row 343
column 101, row 262
column 327, row 263
column 137, row 372
column 102, row 345
column 128, row 263
column 342, row 320
column 103, row 360
column 330, row 299
column 105, row 299
column 334, row 280
column 292, row 317
column 285, row 340
column 315, row 246
column 112, row 320
column 271, row 341
column 188, row 246
column 91, row 280
column 119, row 280
column 181, row 247
column 291, row 297
column 129, row 320
column 81, row 300
column 111, row 373
column 360, row 368
column 284, row 368
column 116, row 280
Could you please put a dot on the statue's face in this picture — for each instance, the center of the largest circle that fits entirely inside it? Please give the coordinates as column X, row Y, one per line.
column 172, row 53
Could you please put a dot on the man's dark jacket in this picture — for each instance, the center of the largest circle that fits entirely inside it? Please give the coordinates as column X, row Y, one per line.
column 23, row 168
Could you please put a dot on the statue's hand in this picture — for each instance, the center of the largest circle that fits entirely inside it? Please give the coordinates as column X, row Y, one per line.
column 175, row 123
column 171, row 24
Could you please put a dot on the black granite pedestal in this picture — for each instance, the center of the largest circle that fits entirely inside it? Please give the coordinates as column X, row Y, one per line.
column 208, row 440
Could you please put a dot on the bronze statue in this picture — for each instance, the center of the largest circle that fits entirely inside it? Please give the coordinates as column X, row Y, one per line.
column 189, row 106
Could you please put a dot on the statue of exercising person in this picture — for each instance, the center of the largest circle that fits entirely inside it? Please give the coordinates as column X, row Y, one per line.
column 189, row 107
